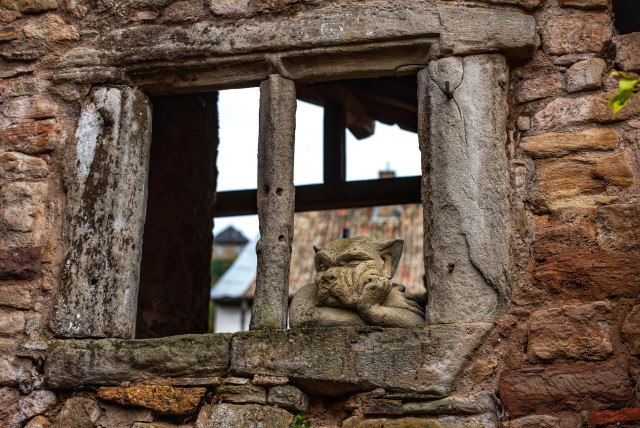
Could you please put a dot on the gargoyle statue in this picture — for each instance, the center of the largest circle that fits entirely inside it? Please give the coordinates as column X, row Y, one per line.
column 352, row 287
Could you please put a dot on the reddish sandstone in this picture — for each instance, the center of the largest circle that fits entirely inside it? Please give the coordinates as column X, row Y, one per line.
column 591, row 275
column 20, row 263
column 539, row 390
column 162, row 399
column 614, row 416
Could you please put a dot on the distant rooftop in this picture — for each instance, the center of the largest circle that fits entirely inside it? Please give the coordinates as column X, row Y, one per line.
column 230, row 235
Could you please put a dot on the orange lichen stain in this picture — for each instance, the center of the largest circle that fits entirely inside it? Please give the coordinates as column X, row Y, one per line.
column 162, row 399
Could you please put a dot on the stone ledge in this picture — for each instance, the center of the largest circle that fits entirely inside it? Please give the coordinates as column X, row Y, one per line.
column 318, row 361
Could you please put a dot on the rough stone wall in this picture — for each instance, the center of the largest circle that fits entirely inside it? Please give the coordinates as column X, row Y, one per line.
column 565, row 353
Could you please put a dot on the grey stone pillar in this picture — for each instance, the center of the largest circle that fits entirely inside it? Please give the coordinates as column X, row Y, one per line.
column 462, row 130
column 106, row 169
column 275, row 202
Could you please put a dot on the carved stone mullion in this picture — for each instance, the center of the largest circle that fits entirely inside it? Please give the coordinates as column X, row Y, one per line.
column 275, row 202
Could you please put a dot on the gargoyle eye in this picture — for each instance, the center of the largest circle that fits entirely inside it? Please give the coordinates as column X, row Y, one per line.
column 321, row 268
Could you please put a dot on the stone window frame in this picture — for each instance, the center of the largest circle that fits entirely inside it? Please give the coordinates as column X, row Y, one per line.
column 460, row 55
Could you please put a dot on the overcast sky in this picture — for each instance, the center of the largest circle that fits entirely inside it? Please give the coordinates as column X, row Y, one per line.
column 390, row 147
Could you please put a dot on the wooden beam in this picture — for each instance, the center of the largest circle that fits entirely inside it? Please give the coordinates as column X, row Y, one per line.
column 315, row 197
column 335, row 166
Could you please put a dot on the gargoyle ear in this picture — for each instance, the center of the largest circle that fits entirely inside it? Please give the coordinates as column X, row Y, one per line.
column 390, row 252
column 316, row 248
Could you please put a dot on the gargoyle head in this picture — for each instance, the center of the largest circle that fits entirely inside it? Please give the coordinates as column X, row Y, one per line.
column 343, row 265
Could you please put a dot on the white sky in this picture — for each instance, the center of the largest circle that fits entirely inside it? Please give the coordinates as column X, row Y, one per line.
column 389, row 147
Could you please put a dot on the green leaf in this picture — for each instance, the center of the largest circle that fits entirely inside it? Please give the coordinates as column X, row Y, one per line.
column 625, row 85
column 628, row 76
column 620, row 100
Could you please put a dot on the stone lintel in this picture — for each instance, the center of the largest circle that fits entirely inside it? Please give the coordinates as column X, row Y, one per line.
column 318, row 361
column 328, row 37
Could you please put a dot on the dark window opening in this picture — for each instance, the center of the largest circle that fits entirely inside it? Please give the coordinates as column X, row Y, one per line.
column 175, row 271
column 626, row 14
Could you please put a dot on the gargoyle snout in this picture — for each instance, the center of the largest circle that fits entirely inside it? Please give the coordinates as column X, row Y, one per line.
column 330, row 275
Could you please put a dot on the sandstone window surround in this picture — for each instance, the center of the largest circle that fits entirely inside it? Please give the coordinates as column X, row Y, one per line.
column 460, row 56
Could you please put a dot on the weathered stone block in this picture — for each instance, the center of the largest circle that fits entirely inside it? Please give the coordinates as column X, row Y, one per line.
column 20, row 263
column 560, row 144
column 185, row 11
column 585, row 75
column 107, row 169
column 15, row 370
column 26, row 407
column 8, row 33
column 38, row 422
column 619, row 226
column 615, row 417
column 12, row 323
column 535, row 421
column 23, row 215
column 591, row 275
column 262, row 380
column 577, row 33
column 7, row 397
column 78, row 412
column 581, row 332
column 17, row 295
column 570, row 59
column 32, row 138
column 30, row 5
column 35, row 107
column 289, row 397
column 631, row 330
column 552, row 389
column 563, row 239
column 249, row 416
column 468, row 185
column 411, row 422
column 446, row 406
column 163, row 399
column 563, row 112
column 28, row 87
column 341, row 360
column 526, row 4
column 51, row 28
column 540, row 87
column 114, row 416
column 16, row 166
column 112, row 361
column 563, row 181
column 627, row 51
column 242, row 394
column 584, row 4
column 229, row 7
column 381, row 407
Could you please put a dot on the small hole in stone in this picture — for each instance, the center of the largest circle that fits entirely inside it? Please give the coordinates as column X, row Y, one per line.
column 266, row 188
column 279, row 191
column 451, row 267
column 133, row 247
column 281, row 238
column 94, row 281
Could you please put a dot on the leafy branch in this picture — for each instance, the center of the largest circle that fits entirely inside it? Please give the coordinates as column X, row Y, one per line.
column 302, row 421
column 628, row 85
